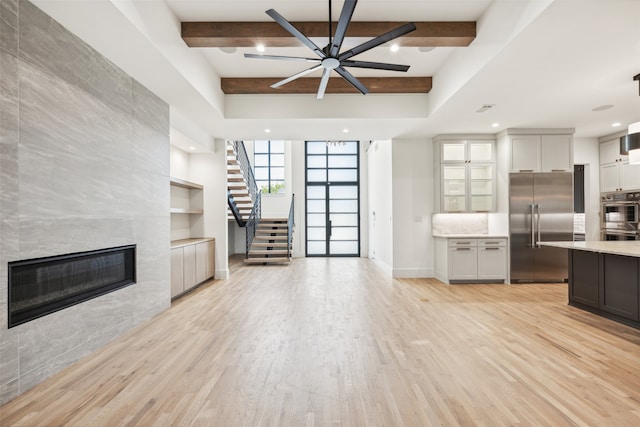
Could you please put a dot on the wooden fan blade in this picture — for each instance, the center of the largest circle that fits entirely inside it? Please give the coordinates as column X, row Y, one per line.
column 282, row 58
column 343, row 23
column 323, row 83
column 295, row 32
column 374, row 65
column 377, row 41
column 352, row 80
column 296, row 76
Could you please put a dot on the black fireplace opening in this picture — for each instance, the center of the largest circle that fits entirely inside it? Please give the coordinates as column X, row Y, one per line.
column 41, row 286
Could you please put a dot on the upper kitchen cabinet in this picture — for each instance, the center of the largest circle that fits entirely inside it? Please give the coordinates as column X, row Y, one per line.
column 616, row 174
column 466, row 172
column 536, row 150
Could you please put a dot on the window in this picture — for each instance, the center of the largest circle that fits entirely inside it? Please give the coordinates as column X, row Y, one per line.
column 268, row 161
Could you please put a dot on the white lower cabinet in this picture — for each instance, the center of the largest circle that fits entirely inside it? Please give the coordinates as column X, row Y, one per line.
column 471, row 260
column 192, row 262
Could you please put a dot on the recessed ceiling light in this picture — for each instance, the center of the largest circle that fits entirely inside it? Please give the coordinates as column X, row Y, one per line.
column 260, row 47
column 395, row 48
column 495, row 125
column 192, row 148
column 425, row 49
column 345, row 130
column 615, row 125
column 603, row 107
column 228, row 49
column 267, row 130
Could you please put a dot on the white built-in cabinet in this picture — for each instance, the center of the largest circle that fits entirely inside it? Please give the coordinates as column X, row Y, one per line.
column 616, row 174
column 192, row 258
column 467, row 175
column 192, row 262
column 541, row 153
column 471, row 259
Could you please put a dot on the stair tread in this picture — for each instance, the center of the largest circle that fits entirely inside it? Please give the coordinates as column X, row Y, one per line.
column 268, row 252
column 265, row 260
column 270, row 245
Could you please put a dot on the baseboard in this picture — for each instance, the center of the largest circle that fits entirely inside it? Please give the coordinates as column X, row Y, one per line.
column 222, row 274
column 413, row 273
column 382, row 265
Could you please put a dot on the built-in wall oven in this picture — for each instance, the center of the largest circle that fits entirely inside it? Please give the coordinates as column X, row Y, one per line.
column 620, row 212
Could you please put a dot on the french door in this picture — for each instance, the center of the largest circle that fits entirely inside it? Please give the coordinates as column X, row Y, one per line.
column 332, row 199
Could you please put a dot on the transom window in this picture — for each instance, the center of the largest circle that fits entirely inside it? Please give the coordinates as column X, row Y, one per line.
column 268, row 161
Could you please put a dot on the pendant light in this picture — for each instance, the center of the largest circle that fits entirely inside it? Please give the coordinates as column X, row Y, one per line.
column 630, row 143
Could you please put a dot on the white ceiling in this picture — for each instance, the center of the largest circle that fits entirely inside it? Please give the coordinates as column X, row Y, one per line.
column 542, row 63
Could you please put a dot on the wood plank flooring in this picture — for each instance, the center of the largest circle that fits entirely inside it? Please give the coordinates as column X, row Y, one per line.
column 333, row 342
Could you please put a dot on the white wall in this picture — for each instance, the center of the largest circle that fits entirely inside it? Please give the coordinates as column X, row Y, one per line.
column 586, row 151
column 380, row 212
column 413, row 204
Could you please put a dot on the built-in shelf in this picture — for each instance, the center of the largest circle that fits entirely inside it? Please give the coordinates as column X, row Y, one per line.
column 186, row 211
column 177, row 182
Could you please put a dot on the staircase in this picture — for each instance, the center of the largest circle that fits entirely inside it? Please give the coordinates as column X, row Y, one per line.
column 269, row 240
column 270, row 243
column 237, row 188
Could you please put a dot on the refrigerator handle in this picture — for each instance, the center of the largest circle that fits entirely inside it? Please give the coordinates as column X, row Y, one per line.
column 538, row 224
column 533, row 226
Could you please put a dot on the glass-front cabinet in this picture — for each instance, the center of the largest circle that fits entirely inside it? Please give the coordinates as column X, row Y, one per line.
column 467, row 175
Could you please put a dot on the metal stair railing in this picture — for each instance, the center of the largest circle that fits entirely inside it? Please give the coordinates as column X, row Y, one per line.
column 249, row 179
column 290, row 225
column 252, row 223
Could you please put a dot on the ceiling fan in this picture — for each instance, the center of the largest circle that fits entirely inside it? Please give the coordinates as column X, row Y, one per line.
column 330, row 57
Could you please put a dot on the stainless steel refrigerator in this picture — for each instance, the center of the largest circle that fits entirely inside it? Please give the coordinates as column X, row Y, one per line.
column 540, row 209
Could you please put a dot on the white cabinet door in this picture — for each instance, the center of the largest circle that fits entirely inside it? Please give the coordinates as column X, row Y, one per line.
column 177, row 272
column 480, row 151
column 463, row 263
column 202, row 252
column 610, row 152
column 189, row 266
column 557, row 153
column 609, row 177
column 454, row 151
column 629, row 176
column 525, row 153
column 211, row 259
column 492, row 263
column 454, row 188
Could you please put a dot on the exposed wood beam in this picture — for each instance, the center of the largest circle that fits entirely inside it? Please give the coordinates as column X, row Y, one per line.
column 270, row 34
column 336, row 85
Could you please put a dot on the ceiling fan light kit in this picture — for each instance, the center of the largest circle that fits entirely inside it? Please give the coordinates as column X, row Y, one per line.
column 329, row 58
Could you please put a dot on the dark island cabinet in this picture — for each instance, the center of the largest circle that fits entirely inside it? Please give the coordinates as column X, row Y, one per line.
column 583, row 280
column 619, row 285
column 605, row 284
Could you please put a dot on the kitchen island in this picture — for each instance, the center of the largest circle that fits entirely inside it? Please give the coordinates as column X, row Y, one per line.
column 604, row 278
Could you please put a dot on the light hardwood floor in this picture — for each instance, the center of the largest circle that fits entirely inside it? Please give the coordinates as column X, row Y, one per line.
column 335, row 342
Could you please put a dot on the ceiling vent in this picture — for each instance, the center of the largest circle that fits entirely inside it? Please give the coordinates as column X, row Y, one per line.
column 485, row 107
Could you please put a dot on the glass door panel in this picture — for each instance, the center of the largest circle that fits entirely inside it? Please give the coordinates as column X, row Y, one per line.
column 333, row 226
column 480, row 151
column 453, row 151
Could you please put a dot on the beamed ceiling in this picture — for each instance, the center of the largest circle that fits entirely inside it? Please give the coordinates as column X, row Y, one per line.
column 272, row 35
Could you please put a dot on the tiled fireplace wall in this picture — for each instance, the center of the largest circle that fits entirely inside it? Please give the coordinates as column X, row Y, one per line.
column 84, row 164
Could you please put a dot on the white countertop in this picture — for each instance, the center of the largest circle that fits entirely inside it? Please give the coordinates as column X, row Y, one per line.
column 621, row 247
column 469, row 236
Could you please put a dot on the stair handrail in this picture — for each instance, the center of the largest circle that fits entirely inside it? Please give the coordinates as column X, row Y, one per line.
column 252, row 223
column 245, row 167
column 290, row 225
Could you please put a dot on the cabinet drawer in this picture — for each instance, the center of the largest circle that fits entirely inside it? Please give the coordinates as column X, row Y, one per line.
column 498, row 242
column 462, row 243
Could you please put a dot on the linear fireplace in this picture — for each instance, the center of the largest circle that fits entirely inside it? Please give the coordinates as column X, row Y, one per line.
column 40, row 286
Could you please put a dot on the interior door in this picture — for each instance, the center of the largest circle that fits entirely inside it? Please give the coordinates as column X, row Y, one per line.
column 332, row 199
